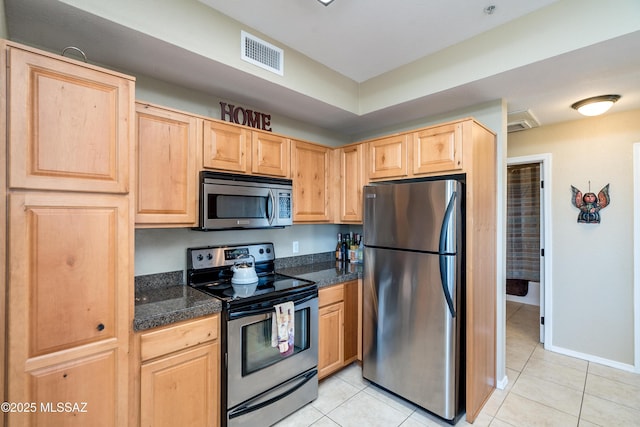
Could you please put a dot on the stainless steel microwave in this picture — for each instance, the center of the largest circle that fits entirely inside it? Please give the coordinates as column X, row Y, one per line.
column 232, row 201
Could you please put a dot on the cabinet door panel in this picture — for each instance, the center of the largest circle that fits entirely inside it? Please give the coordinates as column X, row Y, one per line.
column 330, row 339
column 270, row 154
column 310, row 182
column 351, row 182
column 181, row 389
column 388, row 157
column 351, row 321
column 69, row 126
column 87, row 382
column 166, row 173
column 437, row 149
column 69, row 270
column 225, row 147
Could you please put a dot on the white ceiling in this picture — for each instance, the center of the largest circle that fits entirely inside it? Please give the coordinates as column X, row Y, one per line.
column 365, row 38
column 357, row 38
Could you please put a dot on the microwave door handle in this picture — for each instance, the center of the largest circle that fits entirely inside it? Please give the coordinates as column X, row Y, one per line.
column 271, row 211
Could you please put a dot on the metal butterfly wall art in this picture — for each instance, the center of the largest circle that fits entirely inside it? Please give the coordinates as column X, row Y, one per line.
column 590, row 204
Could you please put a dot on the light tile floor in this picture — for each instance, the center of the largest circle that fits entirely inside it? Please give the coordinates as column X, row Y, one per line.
column 545, row 389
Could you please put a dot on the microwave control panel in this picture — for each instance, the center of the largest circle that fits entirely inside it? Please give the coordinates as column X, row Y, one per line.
column 284, row 205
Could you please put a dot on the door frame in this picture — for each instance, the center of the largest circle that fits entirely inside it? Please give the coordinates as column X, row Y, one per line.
column 546, row 294
column 636, row 255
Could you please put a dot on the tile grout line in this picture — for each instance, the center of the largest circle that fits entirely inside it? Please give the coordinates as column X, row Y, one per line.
column 584, row 390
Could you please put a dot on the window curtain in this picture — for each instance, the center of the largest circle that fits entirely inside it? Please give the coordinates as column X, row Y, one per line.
column 523, row 222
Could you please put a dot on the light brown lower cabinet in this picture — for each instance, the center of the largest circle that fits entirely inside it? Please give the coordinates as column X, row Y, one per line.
column 180, row 374
column 338, row 343
column 331, row 338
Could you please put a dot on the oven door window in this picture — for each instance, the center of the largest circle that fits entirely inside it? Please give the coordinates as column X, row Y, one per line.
column 258, row 351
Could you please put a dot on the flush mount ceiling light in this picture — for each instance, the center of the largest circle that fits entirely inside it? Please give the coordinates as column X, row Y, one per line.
column 326, row 2
column 596, row 105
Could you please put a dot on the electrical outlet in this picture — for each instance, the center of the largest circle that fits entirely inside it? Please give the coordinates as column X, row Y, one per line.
column 296, row 247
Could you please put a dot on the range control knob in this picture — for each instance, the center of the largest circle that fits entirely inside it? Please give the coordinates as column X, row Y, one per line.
column 209, row 256
column 261, row 251
column 200, row 257
column 268, row 250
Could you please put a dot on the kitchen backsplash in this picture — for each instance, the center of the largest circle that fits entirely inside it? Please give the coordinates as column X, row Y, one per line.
column 296, row 261
column 161, row 250
column 158, row 280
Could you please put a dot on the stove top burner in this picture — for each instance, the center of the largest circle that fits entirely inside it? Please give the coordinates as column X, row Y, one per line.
column 209, row 270
column 272, row 283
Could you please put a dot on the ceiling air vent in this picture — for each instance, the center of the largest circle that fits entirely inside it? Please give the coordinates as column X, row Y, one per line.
column 263, row 54
column 521, row 120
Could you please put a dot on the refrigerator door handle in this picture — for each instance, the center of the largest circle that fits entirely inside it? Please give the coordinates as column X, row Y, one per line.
column 441, row 250
column 445, row 284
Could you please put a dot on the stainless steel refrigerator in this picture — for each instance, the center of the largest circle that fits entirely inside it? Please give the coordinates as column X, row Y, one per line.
column 413, row 299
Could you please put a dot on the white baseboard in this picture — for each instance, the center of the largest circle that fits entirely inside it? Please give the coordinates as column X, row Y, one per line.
column 592, row 358
column 502, row 384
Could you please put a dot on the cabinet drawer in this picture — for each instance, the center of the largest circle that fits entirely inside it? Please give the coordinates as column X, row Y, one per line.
column 330, row 295
column 178, row 337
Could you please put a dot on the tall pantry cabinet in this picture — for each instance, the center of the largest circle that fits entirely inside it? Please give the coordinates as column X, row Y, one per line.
column 69, row 243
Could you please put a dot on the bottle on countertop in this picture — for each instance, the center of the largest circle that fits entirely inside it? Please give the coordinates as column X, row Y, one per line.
column 360, row 250
column 339, row 248
column 345, row 248
column 353, row 249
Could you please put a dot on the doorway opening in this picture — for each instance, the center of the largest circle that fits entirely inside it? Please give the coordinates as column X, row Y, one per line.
column 524, row 187
column 528, row 231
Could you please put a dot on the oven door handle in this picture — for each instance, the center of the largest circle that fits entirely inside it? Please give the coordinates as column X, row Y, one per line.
column 257, row 402
column 269, row 309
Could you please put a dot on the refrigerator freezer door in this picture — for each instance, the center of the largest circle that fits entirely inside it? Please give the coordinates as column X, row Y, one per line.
column 410, row 215
column 410, row 338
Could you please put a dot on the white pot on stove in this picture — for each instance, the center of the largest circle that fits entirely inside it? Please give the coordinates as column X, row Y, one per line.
column 244, row 271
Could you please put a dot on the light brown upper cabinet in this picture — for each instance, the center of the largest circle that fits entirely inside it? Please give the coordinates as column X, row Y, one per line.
column 351, row 180
column 166, row 173
column 226, row 147
column 429, row 151
column 311, row 168
column 69, row 125
column 387, row 157
column 270, row 154
column 437, row 149
column 233, row 148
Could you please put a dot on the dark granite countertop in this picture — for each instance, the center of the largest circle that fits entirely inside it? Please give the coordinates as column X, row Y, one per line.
column 161, row 299
column 325, row 273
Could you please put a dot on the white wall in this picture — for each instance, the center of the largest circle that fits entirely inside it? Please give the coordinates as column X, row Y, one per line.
column 191, row 101
column 593, row 264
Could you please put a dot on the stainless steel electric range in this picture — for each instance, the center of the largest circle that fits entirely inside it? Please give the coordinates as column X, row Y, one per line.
column 260, row 384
